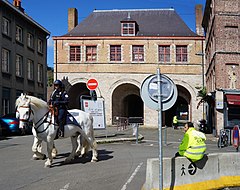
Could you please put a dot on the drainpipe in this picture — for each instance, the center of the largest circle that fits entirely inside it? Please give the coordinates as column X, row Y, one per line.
column 56, row 60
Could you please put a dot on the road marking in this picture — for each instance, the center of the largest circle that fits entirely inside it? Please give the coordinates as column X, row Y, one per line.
column 132, row 176
column 65, row 187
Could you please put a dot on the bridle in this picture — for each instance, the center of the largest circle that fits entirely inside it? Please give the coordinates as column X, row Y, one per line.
column 29, row 115
column 41, row 121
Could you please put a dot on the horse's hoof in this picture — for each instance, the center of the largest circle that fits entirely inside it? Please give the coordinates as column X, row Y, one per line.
column 35, row 158
column 94, row 160
column 47, row 166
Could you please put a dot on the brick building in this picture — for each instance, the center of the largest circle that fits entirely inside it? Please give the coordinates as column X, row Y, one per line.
column 23, row 45
column 120, row 48
column 221, row 23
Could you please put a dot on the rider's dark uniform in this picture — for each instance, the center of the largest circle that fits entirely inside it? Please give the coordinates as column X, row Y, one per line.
column 60, row 99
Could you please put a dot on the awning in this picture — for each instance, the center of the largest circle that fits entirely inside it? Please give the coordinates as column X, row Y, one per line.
column 233, row 99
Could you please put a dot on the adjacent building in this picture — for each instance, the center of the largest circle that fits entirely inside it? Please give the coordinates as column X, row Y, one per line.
column 23, row 46
column 120, row 48
column 221, row 23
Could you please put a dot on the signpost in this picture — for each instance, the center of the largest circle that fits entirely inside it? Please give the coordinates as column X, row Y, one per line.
column 159, row 93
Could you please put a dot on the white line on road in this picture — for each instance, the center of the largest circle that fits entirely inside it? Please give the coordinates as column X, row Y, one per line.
column 65, row 187
column 132, row 176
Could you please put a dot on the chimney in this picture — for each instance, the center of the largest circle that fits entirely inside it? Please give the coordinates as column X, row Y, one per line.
column 72, row 18
column 17, row 3
column 199, row 17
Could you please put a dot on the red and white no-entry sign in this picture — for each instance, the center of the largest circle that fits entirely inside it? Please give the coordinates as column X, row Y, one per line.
column 92, row 84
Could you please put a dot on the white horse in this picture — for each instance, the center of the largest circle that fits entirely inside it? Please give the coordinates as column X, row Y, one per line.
column 37, row 144
column 30, row 108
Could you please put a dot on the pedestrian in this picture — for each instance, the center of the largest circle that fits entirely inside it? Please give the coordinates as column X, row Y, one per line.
column 175, row 122
column 59, row 100
column 193, row 143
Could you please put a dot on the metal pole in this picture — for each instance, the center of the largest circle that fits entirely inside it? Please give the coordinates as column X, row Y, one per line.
column 137, row 134
column 160, row 129
column 203, row 77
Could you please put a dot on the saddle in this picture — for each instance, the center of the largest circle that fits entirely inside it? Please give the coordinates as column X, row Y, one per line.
column 70, row 119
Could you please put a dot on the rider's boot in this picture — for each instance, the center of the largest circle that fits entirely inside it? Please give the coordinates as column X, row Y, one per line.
column 61, row 129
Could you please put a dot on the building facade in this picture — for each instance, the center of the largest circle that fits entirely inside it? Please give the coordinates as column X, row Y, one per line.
column 120, row 48
column 23, row 45
column 221, row 24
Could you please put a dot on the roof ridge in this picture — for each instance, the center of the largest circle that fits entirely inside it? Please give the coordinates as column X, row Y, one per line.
column 122, row 10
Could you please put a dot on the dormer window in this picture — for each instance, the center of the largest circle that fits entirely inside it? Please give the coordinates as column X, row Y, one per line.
column 128, row 26
column 128, row 29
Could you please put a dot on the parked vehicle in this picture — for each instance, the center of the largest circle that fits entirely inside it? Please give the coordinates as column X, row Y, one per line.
column 9, row 125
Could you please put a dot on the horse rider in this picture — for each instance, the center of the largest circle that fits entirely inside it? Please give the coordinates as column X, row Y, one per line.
column 59, row 100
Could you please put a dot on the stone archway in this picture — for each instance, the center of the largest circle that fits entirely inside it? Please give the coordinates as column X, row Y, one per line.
column 75, row 92
column 181, row 108
column 126, row 101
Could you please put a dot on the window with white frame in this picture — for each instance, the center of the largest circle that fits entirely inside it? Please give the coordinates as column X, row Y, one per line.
column 115, row 52
column 181, row 53
column 40, row 72
column 30, row 69
column 75, row 53
column 128, row 29
column 19, row 34
column 137, row 53
column 6, row 26
column 40, row 45
column 91, row 53
column 19, row 65
column 5, row 60
column 30, row 40
column 164, row 53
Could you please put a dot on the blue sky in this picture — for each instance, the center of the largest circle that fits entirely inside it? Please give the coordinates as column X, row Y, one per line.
column 52, row 14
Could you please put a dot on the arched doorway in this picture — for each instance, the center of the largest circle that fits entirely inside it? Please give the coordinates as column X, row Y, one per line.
column 75, row 92
column 180, row 108
column 133, row 106
column 126, row 101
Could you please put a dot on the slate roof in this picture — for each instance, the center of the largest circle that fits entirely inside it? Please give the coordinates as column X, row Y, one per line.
column 151, row 22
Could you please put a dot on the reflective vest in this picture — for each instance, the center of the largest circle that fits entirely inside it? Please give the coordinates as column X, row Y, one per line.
column 193, row 145
column 175, row 120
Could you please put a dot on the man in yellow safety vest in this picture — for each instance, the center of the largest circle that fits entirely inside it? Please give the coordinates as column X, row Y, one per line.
column 193, row 144
column 175, row 122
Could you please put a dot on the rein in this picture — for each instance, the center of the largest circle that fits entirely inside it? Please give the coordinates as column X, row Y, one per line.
column 41, row 121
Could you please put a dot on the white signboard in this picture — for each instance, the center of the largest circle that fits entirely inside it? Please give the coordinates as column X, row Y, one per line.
column 219, row 100
column 97, row 109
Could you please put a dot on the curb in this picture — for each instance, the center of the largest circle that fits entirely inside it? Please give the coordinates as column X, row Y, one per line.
column 113, row 140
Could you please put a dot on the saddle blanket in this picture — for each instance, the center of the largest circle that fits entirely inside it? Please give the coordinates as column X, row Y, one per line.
column 71, row 120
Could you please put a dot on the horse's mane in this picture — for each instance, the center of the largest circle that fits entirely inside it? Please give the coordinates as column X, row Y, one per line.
column 39, row 103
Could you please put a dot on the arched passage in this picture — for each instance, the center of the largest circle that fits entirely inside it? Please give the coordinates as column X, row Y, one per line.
column 126, row 101
column 75, row 92
column 181, row 108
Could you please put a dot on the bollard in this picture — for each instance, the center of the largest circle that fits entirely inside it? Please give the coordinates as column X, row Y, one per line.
column 135, row 131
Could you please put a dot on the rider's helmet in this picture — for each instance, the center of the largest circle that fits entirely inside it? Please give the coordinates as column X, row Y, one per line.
column 58, row 82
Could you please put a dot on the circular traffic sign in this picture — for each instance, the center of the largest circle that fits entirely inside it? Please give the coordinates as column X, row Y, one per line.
column 150, row 96
column 92, row 84
column 167, row 87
